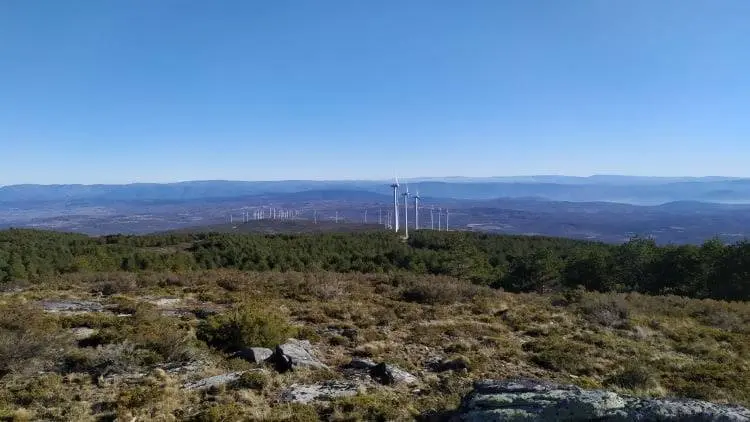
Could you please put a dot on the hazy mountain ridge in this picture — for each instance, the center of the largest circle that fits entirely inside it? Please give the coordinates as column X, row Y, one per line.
column 636, row 190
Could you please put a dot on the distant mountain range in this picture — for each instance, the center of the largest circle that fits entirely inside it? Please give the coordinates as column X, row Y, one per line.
column 605, row 208
column 624, row 189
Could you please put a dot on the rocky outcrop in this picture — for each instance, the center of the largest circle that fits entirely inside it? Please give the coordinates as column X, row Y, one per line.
column 294, row 353
column 322, row 391
column 529, row 400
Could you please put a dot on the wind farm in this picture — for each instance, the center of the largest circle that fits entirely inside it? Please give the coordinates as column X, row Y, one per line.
column 397, row 217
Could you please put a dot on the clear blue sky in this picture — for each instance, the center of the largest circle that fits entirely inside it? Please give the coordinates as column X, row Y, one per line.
column 114, row 91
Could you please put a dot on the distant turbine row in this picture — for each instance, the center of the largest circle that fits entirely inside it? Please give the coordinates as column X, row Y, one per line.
column 417, row 198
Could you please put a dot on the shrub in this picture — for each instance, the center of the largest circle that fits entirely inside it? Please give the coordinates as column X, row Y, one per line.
column 165, row 336
column 372, row 407
column 558, row 354
column 634, row 377
column 26, row 335
column 607, row 311
column 139, row 396
column 438, row 291
column 244, row 326
column 115, row 283
column 108, row 360
column 230, row 284
column 220, row 412
column 254, row 380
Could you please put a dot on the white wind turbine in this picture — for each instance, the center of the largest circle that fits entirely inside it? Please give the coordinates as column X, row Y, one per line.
column 395, row 201
column 406, row 212
column 416, row 210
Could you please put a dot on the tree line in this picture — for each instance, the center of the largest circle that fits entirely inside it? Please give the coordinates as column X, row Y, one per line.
column 514, row 263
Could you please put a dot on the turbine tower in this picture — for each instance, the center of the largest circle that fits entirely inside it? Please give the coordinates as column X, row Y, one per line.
column 395, row 201
column 406, row 212
column 416, row 211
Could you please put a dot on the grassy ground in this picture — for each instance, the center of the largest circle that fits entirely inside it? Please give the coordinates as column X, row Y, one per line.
column 154, row 334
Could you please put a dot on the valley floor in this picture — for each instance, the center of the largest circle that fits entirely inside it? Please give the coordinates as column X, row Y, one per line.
column 126, row 345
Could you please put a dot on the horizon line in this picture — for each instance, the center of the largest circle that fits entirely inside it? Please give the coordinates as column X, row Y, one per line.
column 418, row 178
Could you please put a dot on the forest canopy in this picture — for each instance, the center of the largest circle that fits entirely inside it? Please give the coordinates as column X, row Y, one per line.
column 514, row 263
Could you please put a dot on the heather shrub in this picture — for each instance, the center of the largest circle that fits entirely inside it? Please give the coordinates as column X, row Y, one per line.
column 245, row 326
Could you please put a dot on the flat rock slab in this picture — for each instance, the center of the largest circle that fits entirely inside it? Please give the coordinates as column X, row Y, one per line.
column 327, row 390
column 530, row 400
column 293, row 354
column 214, row 382
column 71, row 306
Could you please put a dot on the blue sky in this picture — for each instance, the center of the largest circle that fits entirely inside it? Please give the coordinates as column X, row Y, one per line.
column 120, row 91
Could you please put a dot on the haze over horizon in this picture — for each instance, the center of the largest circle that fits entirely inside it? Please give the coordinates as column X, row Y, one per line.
column 141, row 91
column 514, row 178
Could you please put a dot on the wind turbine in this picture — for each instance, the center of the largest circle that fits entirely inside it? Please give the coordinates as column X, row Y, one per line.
column 416, row 210
column 406, row 212
column 395, row 201
column 446, row 219
column 432, row 218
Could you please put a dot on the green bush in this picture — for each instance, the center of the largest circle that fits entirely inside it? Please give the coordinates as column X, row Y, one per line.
column 245, row 326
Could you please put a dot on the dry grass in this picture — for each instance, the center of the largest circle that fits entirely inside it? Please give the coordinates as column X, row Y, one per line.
column 692, row 348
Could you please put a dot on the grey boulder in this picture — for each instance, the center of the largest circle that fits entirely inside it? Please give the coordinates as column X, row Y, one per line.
column 254, row 354
column 293, row 354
